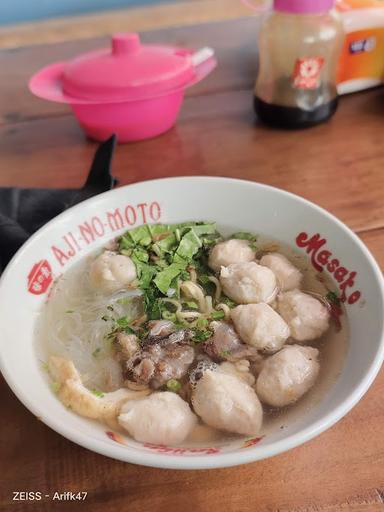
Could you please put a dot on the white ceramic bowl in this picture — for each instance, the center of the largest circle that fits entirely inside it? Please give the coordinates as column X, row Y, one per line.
column 235, row 205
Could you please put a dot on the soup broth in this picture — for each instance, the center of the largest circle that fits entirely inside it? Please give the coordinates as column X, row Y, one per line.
column 77, row 320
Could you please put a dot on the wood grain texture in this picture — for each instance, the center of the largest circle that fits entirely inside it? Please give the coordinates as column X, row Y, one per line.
column 234, row 42
column 338, row 165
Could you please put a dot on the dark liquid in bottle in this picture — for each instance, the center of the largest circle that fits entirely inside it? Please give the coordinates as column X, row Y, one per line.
column 307, row 107
column 293, row 117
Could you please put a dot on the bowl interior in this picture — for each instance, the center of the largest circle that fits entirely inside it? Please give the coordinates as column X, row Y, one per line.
column 234, row 205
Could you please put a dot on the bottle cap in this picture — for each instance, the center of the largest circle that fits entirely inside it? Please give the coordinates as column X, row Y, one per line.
column 303, row 6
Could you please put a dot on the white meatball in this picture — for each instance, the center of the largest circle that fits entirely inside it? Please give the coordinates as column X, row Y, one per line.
column 111, row 272
column 226, row 402
column 260, row 326
column 306, row 316
column 287, row 375
column 231, row 251
column 161, row 418
column 287, row 275
column 248, row 283
column 240, row 369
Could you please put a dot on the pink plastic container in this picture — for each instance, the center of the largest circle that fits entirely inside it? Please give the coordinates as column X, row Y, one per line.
column 133, row 90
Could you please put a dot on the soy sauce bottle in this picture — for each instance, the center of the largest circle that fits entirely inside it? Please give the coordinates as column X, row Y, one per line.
column 299, row 44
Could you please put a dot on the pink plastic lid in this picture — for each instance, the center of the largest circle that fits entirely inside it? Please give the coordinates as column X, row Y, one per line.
column 129, row 70
column 303, row 6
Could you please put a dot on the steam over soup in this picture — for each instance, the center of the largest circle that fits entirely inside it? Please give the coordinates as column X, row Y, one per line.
column 175, row 334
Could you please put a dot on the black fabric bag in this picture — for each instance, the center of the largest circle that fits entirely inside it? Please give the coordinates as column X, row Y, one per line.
column 24, row 211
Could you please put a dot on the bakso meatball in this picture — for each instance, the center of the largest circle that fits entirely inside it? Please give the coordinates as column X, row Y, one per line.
column 260, row 326
column 161, row 418
column 248, row 283
column 287, row 275
column 240, row 369
column 226, row 402
column 111, row 272
column 306, row 316
column 287, row 375
column 231, row 251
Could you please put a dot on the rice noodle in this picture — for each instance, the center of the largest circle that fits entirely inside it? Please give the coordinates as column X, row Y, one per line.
column 72, row 326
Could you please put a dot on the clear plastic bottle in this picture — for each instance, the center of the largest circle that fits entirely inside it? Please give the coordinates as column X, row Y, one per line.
column 299, row 45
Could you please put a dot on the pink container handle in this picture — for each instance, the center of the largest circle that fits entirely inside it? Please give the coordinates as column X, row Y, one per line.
column 257, row 8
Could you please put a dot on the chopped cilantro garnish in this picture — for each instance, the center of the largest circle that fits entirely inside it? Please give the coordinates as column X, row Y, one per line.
column 96, row 352
column 200, row 335
column 333, row 298
column 243, row 235
column 229, row 302
column 163, row 255
column 44, row 365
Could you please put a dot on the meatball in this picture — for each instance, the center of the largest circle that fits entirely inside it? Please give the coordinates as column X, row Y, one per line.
column 287, row 275
column 240, row 369
column 287, row 375
column 111, row 272
column 248, row 283
column 161, row 418
column 231, row 251
column 226, row 402
column 306, row 316
column 260, row 326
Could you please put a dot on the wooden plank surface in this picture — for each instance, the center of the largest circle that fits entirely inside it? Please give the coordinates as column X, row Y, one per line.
column 338, row 165
column 234, row 42
column 306, row 163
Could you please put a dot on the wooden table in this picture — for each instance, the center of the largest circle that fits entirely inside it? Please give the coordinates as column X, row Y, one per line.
column 339, row 165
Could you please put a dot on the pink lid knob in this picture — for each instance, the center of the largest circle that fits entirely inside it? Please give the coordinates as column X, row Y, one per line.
column 125, row 43
column 303, row 6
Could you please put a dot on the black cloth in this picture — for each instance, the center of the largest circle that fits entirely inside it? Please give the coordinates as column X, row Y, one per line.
column 24, row 211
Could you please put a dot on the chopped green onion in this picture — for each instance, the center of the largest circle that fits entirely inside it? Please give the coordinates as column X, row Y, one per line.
column 55, row 386
column 173, row 385
column 217, row 315
column 97, row 393
column 167, row 315
column 202, row 322
column 225, row 353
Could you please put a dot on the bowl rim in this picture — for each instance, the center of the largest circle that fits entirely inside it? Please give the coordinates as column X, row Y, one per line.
column 252, row 454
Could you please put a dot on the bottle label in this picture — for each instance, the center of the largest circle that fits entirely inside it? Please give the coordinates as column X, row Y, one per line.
column 306, row 73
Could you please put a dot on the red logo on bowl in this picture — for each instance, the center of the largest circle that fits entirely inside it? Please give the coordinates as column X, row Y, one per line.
column 40, row 277
column 324, row 259
column 306, row 73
